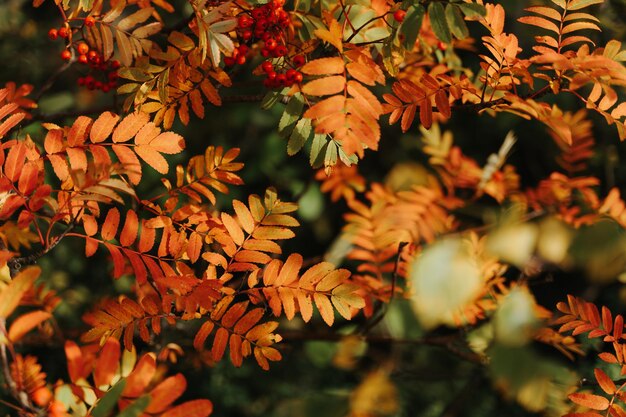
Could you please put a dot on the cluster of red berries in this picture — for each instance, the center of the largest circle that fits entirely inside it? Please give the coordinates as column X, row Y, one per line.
column 85, row 55
column 277, row 78
column 109, row 72
column 238, row 56
column 267, row 23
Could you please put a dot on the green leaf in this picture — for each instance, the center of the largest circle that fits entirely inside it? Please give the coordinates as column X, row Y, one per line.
column 473, row 9
column 270, row 99
column 437, row 15
column 292, row 113
column 299, row 136
column 411, row 25
column 136, row 408
column 104, row 406
column 331, row 155
column 317, row 150
column 456, row 22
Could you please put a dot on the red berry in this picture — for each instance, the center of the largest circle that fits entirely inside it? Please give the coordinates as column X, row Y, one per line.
column 257, row 14
column 106, row 88
column 265, row 52
column 82, row 48
column 299, row 60
column 66, row 55
column 92, row 55
column 241, row 59
column 53, row 34
column 98, row 85
column 267, row 83
column 63, row 32
column 261, row 25
column 267, row 66
column 82, row 58
column 298, row 77
column 399, row 15
column 115, row 64
column 271, row 75
column 441, row 46
column 281, row 50
column 244, row 21
column 243, row 49
column 291, row 73
column 112, row 76
column 270, row 44
column 81, row 81
column 281, row 78
column 229, row 62
column 90, row 21
column 246, row 35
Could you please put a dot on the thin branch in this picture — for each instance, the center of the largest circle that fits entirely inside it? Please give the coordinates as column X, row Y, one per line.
column 449, row 342
column 50, row 81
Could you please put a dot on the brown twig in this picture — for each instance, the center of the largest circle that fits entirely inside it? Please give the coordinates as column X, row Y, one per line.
column 449, row 342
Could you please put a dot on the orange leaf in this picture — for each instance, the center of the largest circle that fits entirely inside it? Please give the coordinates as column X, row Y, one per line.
column 290, row 269
column 332, row 280
column 26, row 323
column 426, row 113
column 233, row 229
column 334, row 35
column 129, row 126
column 166, row 393
column 14, row 162
column 12, row 294
column 323, row 66
column 168, row 142
column 325, row 86
column 219, row 344
column 28, row 178
column 107, row 363
column 130, row 229
column 109, row 227
column 605, row 382
column 130, row 162
column 152, row 158
column 194, row 246
column 236, row 354
column 103, row 126
column 204, row 332
column 244, row 216
column 251, row 318
column 325, row 308
column 75, row 363
column 78, row 132
column 595, row 402
column 194, row 408
column 326, row 107
column 234, row 313
column 140, row 377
